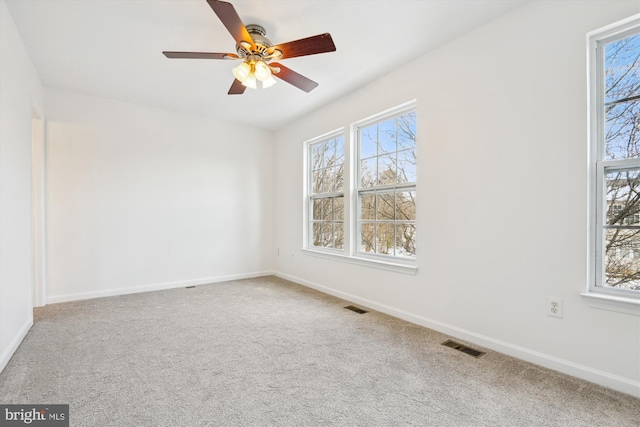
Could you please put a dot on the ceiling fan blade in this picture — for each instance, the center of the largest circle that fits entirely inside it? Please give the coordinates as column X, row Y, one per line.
column 200, row 55
column 229, row 17
column 309, row 46
column 237, row 88
column 291, row 77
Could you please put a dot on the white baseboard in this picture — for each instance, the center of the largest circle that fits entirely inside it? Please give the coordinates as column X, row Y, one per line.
column 153, row 287
column 603, row 378
column 15, row 343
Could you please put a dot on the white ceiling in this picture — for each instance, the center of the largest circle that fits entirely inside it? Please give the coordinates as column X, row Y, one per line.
column 112, row 48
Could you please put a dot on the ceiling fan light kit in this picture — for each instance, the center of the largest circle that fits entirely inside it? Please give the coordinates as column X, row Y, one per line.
column 256, row 52
column 255, row 66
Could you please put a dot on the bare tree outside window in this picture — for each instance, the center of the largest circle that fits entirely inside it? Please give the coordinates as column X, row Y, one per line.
column 622, row 181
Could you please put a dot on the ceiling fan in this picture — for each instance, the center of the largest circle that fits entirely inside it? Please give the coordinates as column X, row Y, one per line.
column 256, row 53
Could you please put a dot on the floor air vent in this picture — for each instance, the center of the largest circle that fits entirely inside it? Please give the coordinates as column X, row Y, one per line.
column 463, row 348
column 356, row 309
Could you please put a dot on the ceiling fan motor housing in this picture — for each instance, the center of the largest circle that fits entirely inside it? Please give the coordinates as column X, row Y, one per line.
column 257, row 33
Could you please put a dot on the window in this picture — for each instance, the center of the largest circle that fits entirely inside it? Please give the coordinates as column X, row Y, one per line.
column 360, row 204
column 615, row 159
column 326, row 193
column 387, row 186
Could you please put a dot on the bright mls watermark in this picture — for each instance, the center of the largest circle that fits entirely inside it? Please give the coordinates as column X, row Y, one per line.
column 37, row 415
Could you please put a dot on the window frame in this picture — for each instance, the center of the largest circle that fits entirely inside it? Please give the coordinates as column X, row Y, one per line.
column 378, row 189
column 310, row 196
column 348, row 254
column 599, row 296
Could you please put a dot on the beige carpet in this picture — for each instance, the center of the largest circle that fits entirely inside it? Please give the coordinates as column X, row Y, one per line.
column 268, row 352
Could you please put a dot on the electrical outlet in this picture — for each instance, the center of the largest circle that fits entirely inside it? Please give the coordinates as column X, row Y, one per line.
column 554, row 307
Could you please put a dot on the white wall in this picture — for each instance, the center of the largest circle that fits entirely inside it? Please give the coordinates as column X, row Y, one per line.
column 141, row 198
column 502, row 213
column 20, row 100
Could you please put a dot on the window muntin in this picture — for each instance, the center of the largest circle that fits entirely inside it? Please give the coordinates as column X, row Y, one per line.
column 386, row 193
column 617, row 162
column 326, row 193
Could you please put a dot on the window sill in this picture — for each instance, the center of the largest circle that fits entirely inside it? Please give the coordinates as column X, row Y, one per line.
column 380, row 264
column 612, row 303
